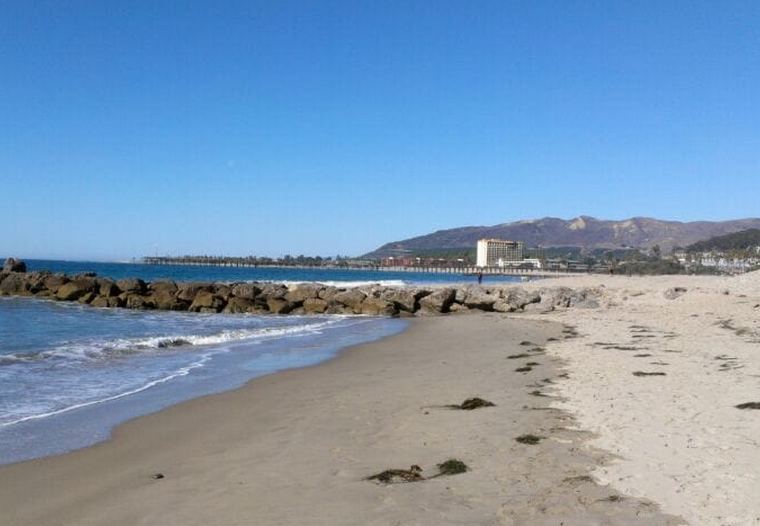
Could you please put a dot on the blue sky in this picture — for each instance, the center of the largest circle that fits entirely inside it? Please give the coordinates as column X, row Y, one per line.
column 130, row 128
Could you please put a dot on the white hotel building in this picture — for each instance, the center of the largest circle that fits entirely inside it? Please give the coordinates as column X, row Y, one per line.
column 502, row 253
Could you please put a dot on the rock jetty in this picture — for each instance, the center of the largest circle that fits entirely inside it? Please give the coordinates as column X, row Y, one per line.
column 278, row 298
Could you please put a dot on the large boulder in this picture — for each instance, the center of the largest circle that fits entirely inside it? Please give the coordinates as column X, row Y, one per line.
column 135, row 285
column 351, row 298
column 378, row 307
column 188, row 291
column 328, row 293
column 437, row 302
column 206, row 301
column 314, row 305
column 54, row 282
column 301, row 292
column 279, row 306
column 35, row 282
column 478, row 298
column 404, row 299
column 14, row 284
column 247, row 291
column 14, row 265
column 105, row 302
column 237, row 305
column 519, row 298
column 107, row 287
column 75, row 289
column 133, row 300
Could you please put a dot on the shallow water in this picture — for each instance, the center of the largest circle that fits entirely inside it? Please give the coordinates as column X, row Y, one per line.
column 70, row 373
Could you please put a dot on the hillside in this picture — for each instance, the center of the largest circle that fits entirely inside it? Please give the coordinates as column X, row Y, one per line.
column 583, row 232
column 736, row 241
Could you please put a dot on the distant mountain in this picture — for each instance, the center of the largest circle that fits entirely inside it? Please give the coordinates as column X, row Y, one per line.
column 737, row 241
column 584, row 232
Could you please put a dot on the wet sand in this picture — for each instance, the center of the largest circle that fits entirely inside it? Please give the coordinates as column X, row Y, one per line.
column 295, row 447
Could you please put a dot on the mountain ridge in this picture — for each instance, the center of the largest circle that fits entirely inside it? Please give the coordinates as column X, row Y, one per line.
column 584, row 231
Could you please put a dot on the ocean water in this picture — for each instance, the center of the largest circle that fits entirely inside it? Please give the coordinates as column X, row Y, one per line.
column 70, row 373
column 229, row 274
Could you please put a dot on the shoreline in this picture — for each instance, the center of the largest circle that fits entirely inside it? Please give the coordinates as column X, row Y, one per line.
column 239, row 457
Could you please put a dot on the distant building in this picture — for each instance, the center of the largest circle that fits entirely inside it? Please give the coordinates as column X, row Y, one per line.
column 500, row 253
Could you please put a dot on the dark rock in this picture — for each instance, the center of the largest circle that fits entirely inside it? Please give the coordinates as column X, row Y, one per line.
column 164, row 299
column 164, row 286
column 298, row 294
column 131, row 285
column 87, row 298
column 437, row 302
column 110, row 302
column 133, row 300
column 352, row 298
column 188, row 291
column 328, row 293
column 73, row 290
column 378, row 307
column 237, row 305
column 14, row 284
column 206, row 301
column 54, row 282
column 279, row 306
column 477, row 298
column 247, row 291
column 519, row 298
column 403, row 299
column 275, row 291
column 107, row 287
column 314, row 305
column 14, row 265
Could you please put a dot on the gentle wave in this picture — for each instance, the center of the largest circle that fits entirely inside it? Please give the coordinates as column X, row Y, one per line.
column 114, row 348
column 184, row 371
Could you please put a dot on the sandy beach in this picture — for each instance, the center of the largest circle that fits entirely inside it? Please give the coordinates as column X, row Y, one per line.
column 296, row 447
column 655, row 375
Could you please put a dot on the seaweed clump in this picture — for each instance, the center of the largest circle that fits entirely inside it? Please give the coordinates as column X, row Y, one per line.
column 529, row 439
column 472, row 403
column 643, row 373
column 452, row 466
column 393, row 476
column 749, row 405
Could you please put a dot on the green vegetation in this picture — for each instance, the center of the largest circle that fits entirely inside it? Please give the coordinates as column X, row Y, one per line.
column 744, row 240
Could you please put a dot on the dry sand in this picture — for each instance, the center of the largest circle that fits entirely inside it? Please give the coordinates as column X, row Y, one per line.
column 679, row 438
column 295, row 447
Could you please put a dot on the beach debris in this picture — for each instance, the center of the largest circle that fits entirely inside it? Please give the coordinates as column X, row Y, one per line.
column 529, row 439
column 674, row 292
column 523, row 369
column 526, row 343
column 472, row 403
column 612, row 498
column 157, row 476
column 538, row 393
column 579, row 479
column 394, row 476
column 537, row 350
column 749, row 405
column 452, row 466
column 532, row 364
column 173, row 342
column 516, row 356
column 643, row 373
column 552, row 339
column 643, row 355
